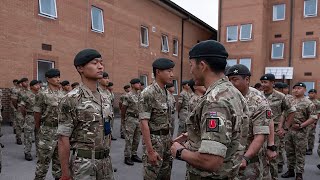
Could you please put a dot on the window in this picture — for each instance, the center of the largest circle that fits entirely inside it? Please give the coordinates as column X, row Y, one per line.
column 309, row 49
column 309, row 85
column 277, row 51
column 42, row 67
column 245, row 32
column 164, row 43
column 97, row 19
column 279, row 12
column 175, row 47
column 144, row 79
column 232, row 33
column 144, row 37
column 246, row 62
column 310, row 8
column 176, row 88
column 48, row 8
column 231, row 62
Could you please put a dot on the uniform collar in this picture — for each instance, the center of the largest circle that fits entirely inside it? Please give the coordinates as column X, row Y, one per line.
column 213, row 85
column 88, row 93
column 158, row 88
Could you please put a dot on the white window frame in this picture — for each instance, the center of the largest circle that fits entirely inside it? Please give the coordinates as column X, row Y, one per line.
column 284, row 12
column 233, row 60
column 309, row 15
column 281, row 52
column 101, row 13
column 147, row 31
column 246, row 39
column 146, row 79
column 175, row 48
column 46, row 61
column 315, row 50
column 50, row 16
column 162, row 45
column 228, row 34
column 176, row 87
column 246, row 59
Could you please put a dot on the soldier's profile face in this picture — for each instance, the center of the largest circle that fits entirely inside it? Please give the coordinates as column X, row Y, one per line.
column 127, row 90
column 25, row 84
column 238, row 81
column 165, row 75
column 55, row 81
column 93, row 69
column 266, row 85
column 196, row 72
column 285, row 90
column 312, row 95
column 35, row 87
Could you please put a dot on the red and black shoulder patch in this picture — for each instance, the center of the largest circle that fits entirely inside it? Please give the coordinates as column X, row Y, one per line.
column 213, row 124
column 268, row 114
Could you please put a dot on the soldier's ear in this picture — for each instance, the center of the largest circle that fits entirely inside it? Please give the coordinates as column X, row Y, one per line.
column 80, row 69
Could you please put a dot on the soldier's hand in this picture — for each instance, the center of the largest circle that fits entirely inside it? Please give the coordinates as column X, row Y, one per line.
column 182, row 138
column 281, row 132
column 271, row 154
column 153, row 157
column 175, row 146
column 296, row 126
column 65, row 178
column 243, row 164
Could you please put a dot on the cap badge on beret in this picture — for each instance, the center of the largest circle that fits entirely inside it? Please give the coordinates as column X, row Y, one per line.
column 236, row 71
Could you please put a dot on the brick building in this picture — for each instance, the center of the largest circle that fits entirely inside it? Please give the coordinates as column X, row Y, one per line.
column 273, row 36
column 39, row 34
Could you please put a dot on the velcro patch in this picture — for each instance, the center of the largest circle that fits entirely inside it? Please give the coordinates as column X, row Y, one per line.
column 213, row 124
column 268, row 114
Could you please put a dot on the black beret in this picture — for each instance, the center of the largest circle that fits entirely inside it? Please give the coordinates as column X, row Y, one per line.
column 238, row 69
column 278, row 85
column 15, row 80
column 64, row 83
column 23, row 80
column 184, row 82
column 74, row 84
column 33, row 82
column 312, row 91
column 285, row 85
column 300, row 84
column 209, row 48
column 51, row 73
column 142, row 83
column 18, row 82
column 110, row 84
column 134, row 81
column 105, row 74
column 170, row 85
column 269, row 77
column 126, row 86
column 85, row 56
column 163, row 63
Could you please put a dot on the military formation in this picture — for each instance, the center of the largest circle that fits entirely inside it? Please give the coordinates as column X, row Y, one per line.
column 226, row 129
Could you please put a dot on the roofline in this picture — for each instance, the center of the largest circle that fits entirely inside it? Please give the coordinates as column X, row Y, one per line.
column 188, row 15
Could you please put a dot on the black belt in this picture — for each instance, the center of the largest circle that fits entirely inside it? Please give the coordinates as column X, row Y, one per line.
column 88, row 153
column 29, row 113
column 198, row 177
column 50, row 124
column 132, row 115
column 161, row 132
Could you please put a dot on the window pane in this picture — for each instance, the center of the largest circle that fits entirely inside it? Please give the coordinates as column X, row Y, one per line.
column 144, row 79
column 144, row 36
column 97, row 19
column 175, row 47
column 309, row 85
column 48, row 7
column 279, row 12
column 175, row 83
column 309, row 48
column 277, row 50
column 231, row 62
column 246, row 62
column 165, row 47
column 310, row 7
column 232, row 33
column 245, row 33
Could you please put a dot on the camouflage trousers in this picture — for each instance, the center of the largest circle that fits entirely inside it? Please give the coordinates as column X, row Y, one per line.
column 132, row 136
column 19, row 125
column 91, row 169
column 122, row 128
column 274, row 162
column 296, row 146
column 36, row 140
column 281, row 151
column 48, row 150
column 265, row 163
column 253, row 171
column 172, row 127
column 311, row 136
column 28, row 133
column 161, row 171
column 183, row 115
column 14, row 117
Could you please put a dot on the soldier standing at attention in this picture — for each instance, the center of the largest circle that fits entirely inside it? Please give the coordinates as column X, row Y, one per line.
column 46, row 124
column 296, row 143
column 216, row 125
column 13, row 93
column 172, row 105
column 130, row 114
column 127, row 89
column 109, row 91
column 183, row 104
column 84, row 124
column 66, row 87
column 155, row 122
column 24, row 82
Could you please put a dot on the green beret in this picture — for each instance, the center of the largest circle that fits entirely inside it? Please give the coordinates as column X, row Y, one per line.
column 278, row 85
column 126, row 86
column 23, row 80
column 85, row 56
column 64, row 83
column 51, row 73
column 184, row 82
column 312, row 91
column 285, row 85
column 269, row 77
column 33, row 82
column 170, row 85
column 105, row 75
column 134, row 81
column 300, row 84
column 238, row 69
column 110, row 84
column 163, row 63
column 209, row 48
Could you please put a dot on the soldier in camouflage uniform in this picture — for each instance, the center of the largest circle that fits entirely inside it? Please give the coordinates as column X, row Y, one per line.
column 130, row 114
column 154, row 114
column 172, row 105
column 46, row 124
column 217, row 123
column 198, row 92
column 13, row 97
column 312, row 128
column 183, row 104
column 84, row 124
column 126, row 89
column 66, row 87
column 260, row 114
column 278, row 104
column 296, row 143
column 27, row 101
column 19, row 117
